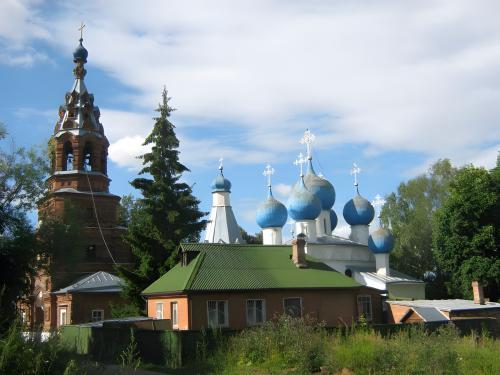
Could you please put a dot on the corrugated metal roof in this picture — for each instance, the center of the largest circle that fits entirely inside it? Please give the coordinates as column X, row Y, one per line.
column 246, row 267
column 448, row 304
column 393, row 278
column 101, row 281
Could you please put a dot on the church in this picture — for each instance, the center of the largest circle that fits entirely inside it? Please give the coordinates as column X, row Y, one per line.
column 226, row 283
column 221, row 281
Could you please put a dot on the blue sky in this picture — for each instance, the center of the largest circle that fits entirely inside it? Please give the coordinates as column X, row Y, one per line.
column 390, row 85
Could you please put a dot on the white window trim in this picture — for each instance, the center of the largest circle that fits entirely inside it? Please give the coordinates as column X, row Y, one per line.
column 360, row 311
column 92, row 315
column 300, row 298
column 226, row 313
column 156, row 310
column 174, row 324
column 61, row 310
column 264, row 311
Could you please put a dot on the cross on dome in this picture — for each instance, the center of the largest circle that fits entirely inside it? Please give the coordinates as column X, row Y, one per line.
column 307, row 139
column 268, row 172
column 355, row 171
column 301, row 160
column 221, row 167
column 378, row 203
column 81, row 30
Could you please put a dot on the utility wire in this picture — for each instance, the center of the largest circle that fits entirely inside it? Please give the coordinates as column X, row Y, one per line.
column 97, row 219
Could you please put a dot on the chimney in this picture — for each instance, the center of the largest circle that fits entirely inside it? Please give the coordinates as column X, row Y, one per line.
column 299, row 251
column 477, row 289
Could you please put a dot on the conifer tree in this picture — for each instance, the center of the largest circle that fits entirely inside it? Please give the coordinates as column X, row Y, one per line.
column 167, row 213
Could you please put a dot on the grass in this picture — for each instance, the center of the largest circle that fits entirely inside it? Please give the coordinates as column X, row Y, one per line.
column 299, row 346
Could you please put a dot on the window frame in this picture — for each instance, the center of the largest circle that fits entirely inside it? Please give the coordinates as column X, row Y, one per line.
column 161, row 310
column 226, row 313
column 255, row 323
column 63, row 309
column 175, row 323
column 301, row 306
column 92, row 319
column 367, row 316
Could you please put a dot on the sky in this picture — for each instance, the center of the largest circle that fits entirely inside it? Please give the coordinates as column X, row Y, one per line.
column 390, row 85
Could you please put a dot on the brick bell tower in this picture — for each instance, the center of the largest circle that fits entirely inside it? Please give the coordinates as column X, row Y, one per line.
column 79, row 151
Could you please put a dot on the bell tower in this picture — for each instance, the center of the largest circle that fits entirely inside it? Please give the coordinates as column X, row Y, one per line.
column 79, row 178
column 79, row 152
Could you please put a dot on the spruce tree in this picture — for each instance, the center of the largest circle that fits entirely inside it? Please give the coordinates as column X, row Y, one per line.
column 167, row 213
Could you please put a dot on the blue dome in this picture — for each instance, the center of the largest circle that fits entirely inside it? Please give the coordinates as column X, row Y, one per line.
column 302, row 204
column 320, row 187
column 80, row 54
column 358, row 211
column 333, row 219
column 381, row 241
column 271, row 213
column 221, row 184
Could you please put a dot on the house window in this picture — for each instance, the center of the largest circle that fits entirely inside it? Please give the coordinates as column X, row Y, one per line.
column 293, row 306
column 217, row 314
column 63, row 316
column 365, row 307
column 174, row 314
column 159, row 310
column 97, row 315
column 256, row 311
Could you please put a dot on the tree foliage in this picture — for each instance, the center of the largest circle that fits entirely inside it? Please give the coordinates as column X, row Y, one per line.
column 22, row 176
column 467, row 232
column 166, row 214
column 251, row 239
column 410, row 211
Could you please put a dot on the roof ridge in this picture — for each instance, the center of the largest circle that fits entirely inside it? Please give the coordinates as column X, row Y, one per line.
column 200, row 258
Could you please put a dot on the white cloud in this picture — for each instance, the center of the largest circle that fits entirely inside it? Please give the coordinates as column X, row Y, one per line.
column 282, row 190
column 419, row 77
column 124, row 152
column 19, row 25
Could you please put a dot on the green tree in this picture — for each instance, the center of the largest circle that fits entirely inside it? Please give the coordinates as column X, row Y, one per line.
column 127, row 204
column 410, row 211
column 466, row 235
column 22, row 174
column 251, row 239
column 166, row 214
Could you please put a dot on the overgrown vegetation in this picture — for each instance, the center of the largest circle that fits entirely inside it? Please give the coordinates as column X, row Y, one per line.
column 298, row 346
column 29, row 355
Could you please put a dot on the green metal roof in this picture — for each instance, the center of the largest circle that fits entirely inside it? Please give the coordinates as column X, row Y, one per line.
column 220, row 267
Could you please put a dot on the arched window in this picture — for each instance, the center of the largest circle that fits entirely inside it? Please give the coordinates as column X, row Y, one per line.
column 67, row 162
column 104, row 161
column 87, row 157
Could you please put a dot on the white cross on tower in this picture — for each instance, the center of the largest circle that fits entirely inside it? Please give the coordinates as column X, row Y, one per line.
column 301, row 160
column 355, row 171
column 268, row 172
column 81, row 30
column 307, row 139
column 220, row 164
column 378, row 203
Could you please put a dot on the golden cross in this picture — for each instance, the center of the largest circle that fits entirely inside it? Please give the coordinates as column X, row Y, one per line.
column 81, row 30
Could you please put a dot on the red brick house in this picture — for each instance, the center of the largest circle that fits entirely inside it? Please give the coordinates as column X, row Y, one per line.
column 235, row 286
